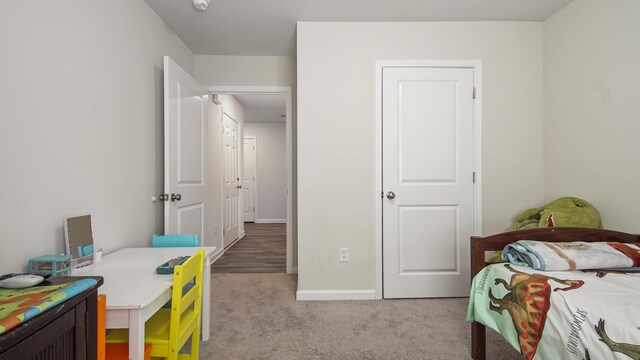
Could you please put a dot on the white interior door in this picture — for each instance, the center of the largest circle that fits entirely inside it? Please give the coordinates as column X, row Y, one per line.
column 249, row 180
column 231, row 179
column 427, row 181
column 185, row 115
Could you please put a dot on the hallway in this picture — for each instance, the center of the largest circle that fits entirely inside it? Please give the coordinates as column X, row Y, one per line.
column 261, row 250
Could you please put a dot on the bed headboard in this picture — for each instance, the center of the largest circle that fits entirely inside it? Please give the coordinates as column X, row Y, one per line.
column 558, row 234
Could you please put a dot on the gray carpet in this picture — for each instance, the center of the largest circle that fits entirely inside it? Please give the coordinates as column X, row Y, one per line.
column 255, row 316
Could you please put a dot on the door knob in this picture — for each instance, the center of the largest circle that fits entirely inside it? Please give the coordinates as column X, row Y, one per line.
column 391, row 195
column 239, row 186
column 164, row 197
column 176, row 197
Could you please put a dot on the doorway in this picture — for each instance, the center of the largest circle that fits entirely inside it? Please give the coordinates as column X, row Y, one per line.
column 284, row 219
column 263, row 189
column 265, row 160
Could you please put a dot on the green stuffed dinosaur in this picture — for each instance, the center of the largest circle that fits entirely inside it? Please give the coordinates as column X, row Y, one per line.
column 562, row 212
column 565, row 211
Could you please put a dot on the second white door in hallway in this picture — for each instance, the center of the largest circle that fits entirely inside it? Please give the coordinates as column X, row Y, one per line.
column 231, row 179
column 249, row 180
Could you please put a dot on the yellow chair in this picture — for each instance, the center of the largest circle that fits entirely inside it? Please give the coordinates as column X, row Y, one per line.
column 169, row 329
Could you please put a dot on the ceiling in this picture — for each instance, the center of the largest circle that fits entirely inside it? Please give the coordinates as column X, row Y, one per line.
column 263, row 107
column 268, row 27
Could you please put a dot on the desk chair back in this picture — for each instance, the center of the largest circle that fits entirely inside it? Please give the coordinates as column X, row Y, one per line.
column 175, row 241
column 186, row 307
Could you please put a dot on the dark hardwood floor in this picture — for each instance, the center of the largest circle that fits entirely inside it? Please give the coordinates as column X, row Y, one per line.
column 263, row 249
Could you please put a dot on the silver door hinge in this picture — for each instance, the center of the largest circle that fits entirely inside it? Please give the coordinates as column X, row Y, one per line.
column 474, row 92
column 382, row 194
column 474, row 177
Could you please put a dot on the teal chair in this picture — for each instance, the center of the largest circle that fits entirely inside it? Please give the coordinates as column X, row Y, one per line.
column 175, row 241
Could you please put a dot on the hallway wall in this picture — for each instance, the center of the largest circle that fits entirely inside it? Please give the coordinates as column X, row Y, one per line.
column 271, row 170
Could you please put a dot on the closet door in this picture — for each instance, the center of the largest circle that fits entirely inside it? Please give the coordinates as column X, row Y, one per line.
column 427, row 180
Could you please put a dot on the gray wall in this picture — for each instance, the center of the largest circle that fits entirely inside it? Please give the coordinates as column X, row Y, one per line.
column 271, row 169
column 592, row 117
column 81, row 127
column 336, row 132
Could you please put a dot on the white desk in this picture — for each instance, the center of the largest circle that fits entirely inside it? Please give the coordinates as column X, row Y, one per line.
column 135, row 292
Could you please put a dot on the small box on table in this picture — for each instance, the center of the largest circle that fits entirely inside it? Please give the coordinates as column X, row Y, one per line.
column 51, row 264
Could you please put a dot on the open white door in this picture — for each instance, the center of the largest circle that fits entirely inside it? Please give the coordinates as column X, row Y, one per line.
column 231, row 180
column 185, row 115
column 427, row 179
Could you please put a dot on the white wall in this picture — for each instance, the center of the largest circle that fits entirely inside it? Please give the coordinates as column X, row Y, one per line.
column 271, row 169
column 245, row 70
column 81, row 127
column 336, row 112
column 592, row 117
column 232, row 108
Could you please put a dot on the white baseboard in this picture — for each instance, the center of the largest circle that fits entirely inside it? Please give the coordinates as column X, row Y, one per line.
column 271, row 221
column 217, row 255
column 233, row 243
column 304, row 295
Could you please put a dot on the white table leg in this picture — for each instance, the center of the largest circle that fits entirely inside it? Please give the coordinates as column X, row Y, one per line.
column 136, row 335
column 206, row 299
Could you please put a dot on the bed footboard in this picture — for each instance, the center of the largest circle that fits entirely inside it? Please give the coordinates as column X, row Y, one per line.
column 478, row 331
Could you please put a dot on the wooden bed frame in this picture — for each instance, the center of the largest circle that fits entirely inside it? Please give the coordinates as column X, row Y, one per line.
column 497, row 242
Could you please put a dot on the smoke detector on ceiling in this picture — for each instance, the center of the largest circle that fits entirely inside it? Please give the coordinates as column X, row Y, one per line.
column 201, row 4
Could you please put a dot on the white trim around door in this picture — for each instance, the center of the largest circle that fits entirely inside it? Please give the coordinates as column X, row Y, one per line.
column 476, row 65
column 286, row 91
column 271, row 221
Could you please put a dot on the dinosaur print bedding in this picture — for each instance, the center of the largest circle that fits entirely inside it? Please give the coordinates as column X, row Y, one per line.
column 552, row 256
column 560, row 315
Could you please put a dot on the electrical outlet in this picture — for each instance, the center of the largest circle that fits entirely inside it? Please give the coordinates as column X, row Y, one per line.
column 215, row 229
column 344, row 254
